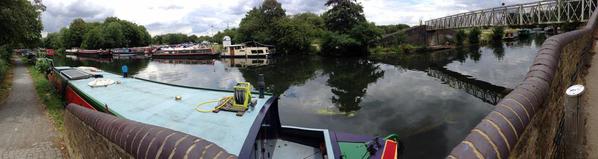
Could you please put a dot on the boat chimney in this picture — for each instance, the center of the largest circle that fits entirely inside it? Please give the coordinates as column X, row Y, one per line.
column 261, row 84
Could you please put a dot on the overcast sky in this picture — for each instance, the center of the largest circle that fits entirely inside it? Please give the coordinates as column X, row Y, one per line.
column 205, row 17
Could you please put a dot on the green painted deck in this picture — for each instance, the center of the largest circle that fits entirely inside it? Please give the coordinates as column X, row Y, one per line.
column 155, row 104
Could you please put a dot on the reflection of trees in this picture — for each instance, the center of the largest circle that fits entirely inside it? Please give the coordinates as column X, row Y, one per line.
column 284, row 72
column 498, row 50
column 349, row 79
column 474, row 53
column 539, row 39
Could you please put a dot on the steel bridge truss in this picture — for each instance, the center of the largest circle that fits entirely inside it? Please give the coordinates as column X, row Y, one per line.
column 535, row 13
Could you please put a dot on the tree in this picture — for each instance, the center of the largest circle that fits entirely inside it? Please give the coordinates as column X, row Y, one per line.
column 53, row 41
column 113, row 35
column 217, row 38
column 94, row 39
column 349, row 32
column 460, row 37
column 74, row 36
column 497, row 34
column 260, row 24
column 474, row 36
column 193, row 38
column 19, row 23
column 343, row 15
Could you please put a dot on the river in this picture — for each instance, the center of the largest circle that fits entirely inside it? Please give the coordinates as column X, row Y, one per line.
column 431, row 100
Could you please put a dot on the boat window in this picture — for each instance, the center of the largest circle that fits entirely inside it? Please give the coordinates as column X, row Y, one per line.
column 260, row 51
column 253, row 51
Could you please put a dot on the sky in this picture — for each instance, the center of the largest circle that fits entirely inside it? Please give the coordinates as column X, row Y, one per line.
column 206, row 17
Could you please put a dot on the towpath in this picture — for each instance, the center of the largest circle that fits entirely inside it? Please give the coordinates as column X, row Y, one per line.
column 25, row 129
column 591, row 107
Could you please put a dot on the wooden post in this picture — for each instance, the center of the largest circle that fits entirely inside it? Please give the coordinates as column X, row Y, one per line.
column 573, row 126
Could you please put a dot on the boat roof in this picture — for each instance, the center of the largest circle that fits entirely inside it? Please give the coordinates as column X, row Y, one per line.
column 154, row 103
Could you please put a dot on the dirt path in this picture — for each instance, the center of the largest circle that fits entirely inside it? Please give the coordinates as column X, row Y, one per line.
column 25, row 129
column 591, row 108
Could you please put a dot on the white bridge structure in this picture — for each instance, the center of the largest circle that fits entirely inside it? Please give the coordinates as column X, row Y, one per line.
column 534, row 13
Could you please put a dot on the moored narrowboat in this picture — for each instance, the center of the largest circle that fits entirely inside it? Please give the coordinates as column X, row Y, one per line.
column 185, row 52
column 94, row 53
column 242, row 122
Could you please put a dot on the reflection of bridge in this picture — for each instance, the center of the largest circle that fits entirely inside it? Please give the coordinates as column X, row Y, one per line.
column 542, row 12
column 433, row 65
column 483, row 90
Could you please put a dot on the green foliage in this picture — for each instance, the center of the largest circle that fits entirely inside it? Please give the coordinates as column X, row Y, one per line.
column 497, row 33
column 407, row 48
column 43, row 64
column 389, row 29
column 460, row 37
column 335, row 44
column 94, row 39
column 20, row 25
column 474, row 36
column 171, row 38
column 233, row 33
column 112, row 33
column 259, row 24
column 75, row 33
column 343, row 16
column 52, row 41
column 349, row 32
column 4, row 68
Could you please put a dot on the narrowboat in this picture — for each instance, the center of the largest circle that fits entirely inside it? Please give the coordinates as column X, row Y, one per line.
column 123, row 52
column 185, row 52
column 186, row 61
column 71, row 51
column 510, row 34
column 245, row 50
column 50, row 52
column 244, row 123
column 94, row 53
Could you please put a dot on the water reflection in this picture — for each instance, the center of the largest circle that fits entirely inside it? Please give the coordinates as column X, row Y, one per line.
column 245, row 62
column 185, row 61
column 349, row 80
column 431, row 100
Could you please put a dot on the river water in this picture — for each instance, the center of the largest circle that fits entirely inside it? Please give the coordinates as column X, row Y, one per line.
column 431, row 100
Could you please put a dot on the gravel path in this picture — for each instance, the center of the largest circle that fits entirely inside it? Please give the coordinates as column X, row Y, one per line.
column 25, row 129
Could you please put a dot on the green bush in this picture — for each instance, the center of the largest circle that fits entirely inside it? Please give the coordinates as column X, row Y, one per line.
column 408, row 48
column 474, row 36
column 497, row 33
column 460, row 37
column 43, row 64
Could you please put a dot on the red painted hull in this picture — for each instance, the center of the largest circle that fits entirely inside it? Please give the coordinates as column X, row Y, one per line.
column 72, row 97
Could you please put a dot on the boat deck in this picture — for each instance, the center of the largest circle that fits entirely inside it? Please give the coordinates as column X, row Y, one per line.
column 155, row 104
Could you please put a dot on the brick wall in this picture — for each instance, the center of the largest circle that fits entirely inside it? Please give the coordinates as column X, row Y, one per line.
column 85, row 142
column 92, row 134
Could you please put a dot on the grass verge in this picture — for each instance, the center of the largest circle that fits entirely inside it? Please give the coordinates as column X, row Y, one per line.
column 47, row 95
column 6, row 84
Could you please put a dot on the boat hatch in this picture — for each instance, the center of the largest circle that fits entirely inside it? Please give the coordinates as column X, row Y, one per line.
column 74, row 74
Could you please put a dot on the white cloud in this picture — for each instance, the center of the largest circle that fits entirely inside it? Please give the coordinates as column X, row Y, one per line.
column 208, row 16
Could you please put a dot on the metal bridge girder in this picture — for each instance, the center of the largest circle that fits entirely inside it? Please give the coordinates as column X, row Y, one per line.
column 534, row 13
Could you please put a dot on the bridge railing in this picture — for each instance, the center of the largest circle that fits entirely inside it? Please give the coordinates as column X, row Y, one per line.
column 526, row 123
column 535, row 13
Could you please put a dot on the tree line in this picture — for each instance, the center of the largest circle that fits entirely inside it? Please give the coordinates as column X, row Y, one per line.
column 111, row 33
column 342, row 30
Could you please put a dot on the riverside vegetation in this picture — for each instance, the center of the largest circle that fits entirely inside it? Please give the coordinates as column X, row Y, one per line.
column 340, row 31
